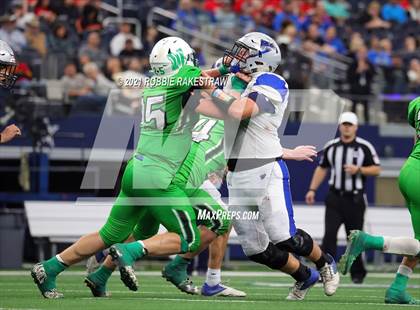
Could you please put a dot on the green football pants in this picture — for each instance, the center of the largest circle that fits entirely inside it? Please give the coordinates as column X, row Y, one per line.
column 409, row 182
column 140, row 195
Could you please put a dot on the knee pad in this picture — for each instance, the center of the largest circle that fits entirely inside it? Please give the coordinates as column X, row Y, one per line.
column 272, row 257
column 300, row 244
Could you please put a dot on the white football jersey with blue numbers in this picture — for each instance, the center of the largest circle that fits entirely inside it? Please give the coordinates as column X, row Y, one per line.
column 257, row 136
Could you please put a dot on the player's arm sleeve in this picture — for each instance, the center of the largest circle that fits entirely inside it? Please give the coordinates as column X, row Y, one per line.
column 269, row 91
column 371, row 157
column 185, row 79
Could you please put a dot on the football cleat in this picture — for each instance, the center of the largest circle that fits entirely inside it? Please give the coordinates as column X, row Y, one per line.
column 330, row 277
column 125, row 263
column 180, row 279
column 355, row 246
column 221, row 290
column 396, row 296
column 97, row 289
column 300, row 289
column 46, row 285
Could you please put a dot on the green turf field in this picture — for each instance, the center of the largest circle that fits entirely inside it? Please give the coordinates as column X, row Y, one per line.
column 265, row 291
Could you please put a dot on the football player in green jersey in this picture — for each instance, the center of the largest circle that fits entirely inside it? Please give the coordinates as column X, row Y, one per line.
column 205, row 156
column 165, row 140
column 409, row 182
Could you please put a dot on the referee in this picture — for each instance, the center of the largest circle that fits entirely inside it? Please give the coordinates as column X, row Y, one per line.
column 350, row 160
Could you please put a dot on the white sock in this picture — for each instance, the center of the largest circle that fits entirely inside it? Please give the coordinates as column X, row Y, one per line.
column 60, row 259
column 402, row 246
column 145, row 252
column 405, row 270
column 214, row 276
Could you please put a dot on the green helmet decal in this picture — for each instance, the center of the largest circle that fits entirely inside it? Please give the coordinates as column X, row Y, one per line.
column 177, row 59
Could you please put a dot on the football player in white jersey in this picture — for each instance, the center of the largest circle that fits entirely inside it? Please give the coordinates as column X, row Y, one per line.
column 258, row 178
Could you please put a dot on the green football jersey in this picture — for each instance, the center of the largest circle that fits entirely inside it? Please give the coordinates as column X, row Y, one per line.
column 414, row 121
column 206, row 153
column 166, row 126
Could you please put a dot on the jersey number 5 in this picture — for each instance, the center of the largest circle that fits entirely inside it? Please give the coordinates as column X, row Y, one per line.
column 152, row 112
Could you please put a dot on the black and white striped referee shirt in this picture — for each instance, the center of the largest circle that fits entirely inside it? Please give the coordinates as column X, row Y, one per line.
column 337, row 154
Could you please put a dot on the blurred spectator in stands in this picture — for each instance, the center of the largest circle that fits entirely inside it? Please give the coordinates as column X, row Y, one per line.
column 204, row 18
column 129, row 51
column 318, row 17
column 88, row 21
column 61, row 41
column 92, row 48
column 69, row 9
column 336, row 8
column 74, row 84
column 380, row 52
column 213, row 5
column 396, row 80
column 135, row 73
column 150, row 39
column 100, row 84
column 333, row 41
column 307, row 7
column 371, row 19
column 410, row 50
column 414, row 10
column 226, row 22
column 266, row 19
column 295, row 67
column 313, row 35
column 288, row 36
column 413, row 75
column 186, row 16
column 392, row 11
column 99, row 88
column 113, row 68
column 44, row 9
column 35, row 38
column 360, row 75
column 22, row 15
column 247, row 23
column 119, row 40
column 356, row 42
column 11, row 34
column 83, row 60
column 290, row 11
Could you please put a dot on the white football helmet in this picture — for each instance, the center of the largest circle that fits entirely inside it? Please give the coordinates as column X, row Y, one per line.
column 254, row 52
column 7, row 66
column 169, row 55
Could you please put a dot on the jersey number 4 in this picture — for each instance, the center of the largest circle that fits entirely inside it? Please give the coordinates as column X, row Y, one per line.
column 152, row 112
column 202, row 129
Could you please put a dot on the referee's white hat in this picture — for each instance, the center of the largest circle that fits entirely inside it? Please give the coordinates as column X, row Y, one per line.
column 348, row 117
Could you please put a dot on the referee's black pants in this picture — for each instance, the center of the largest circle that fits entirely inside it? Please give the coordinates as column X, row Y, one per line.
column 348, row 209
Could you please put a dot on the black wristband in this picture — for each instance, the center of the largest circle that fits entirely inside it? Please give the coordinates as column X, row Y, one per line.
column 312, row 190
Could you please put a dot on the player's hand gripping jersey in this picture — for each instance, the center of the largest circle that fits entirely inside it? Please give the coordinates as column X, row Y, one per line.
column 257, row 136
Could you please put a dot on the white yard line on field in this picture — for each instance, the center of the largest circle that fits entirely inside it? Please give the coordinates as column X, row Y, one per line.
column 224, row 273
column 343, row 285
